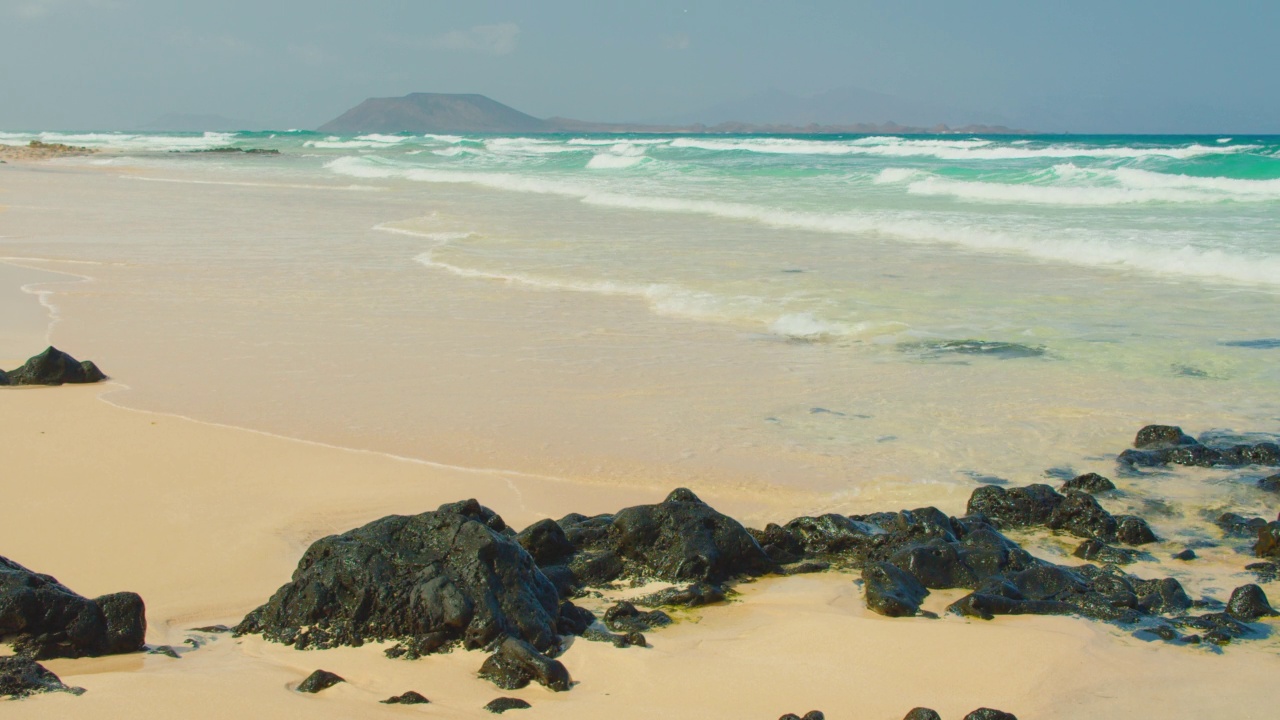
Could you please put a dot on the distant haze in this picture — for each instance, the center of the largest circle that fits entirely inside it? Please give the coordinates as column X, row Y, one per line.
column 1084, row 66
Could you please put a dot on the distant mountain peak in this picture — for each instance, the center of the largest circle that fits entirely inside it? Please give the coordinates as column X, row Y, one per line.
column 434, row 113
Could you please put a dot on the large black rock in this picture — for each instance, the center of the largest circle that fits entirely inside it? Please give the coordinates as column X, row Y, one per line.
column 45, row 619
column 1158, row 445
column 54, row 367
column 1098, row 593
column 430, row 580
column 1248, row 603
column 22, row 676
column 1015, row 507
column 891, row 591
column 684, row 539
column 1091, row 483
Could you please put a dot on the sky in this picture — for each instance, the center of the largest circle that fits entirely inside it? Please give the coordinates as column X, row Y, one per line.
column 1177, row 66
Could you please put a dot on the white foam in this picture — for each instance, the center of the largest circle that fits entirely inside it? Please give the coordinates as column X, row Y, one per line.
column 1185, row 261
column 620, row 155
column 947, row 149
column 1102, row 187
column 127, row 141
column 889, row 176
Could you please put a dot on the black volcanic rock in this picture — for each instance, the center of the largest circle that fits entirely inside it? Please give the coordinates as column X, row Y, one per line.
column 694, row 595
column 1098, row 551
column 1081, row 515
column 1270, row 483
column 990, row 714
column 891, row 591
column 1015, row 507
column 54, row 367
column 1091, row 483
column 449, row 575
column 545, row 541
column 625, row 617
column 1249, row 602
column 684, row 539
column 45, row 619
column 411, row 697
column 319, row 680
column 497, row 706
column 1162, row 436
column 922, row 713
column 515, row 663
column 22, row 676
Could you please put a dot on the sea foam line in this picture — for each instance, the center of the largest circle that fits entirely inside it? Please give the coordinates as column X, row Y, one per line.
column 1185, row 261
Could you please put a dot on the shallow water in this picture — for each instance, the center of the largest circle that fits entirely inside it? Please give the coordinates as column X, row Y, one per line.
column 846, row 322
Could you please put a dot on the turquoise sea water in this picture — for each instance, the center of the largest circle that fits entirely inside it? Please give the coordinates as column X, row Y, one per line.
column 1094, row 283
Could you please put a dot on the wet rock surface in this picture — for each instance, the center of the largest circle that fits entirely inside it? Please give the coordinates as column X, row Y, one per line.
column 453, row 575
column 1157, row 445
column 1248, row 603
column 44, row 619
column 53, row 367
column 319, row 680
column 22, row 677
column 1091, row 483
column 500, row 705
column 891, row 591
column 516, row 663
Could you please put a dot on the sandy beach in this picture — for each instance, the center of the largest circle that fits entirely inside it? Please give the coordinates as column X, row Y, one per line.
column 206, row 518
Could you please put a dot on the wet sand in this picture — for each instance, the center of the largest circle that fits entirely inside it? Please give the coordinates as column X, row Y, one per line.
column 205, row 521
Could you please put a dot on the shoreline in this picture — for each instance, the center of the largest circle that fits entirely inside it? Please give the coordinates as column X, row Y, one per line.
column 207, row 520
column 786, row 644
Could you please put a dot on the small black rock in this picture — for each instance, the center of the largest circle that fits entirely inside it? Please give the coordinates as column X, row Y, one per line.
column 1162, row 436
column 165, row 650
column 408, row 698
column 500, row 705
column 1091, row 483
column 1187, row 554
column 212, row 629
column 990, row 714
column 811, row 715
column 922, row 713
column 22, row 676
column 1249, row 602
column 516, row 663
column 625, row 617
column 319, row 680
column 1270, row 484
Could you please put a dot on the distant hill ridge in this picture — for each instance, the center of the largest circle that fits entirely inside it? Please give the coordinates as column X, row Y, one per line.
column 471, row 113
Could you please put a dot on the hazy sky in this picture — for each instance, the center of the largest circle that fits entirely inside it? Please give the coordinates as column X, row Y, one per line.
column 1082, row 65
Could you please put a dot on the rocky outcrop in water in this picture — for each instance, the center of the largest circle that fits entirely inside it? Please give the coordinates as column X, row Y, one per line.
column 53, row 367
column 22, row 677
column 452, row 575
column 43, row 618
column 1157, row 445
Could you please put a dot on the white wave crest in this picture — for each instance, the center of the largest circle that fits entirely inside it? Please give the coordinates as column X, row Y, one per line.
column 1102, row 187
column 125, row 142
column 891, row 176
column 947, row 149
column 1187, row 261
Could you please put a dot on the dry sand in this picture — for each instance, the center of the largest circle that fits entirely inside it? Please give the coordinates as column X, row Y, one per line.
column 205, row 522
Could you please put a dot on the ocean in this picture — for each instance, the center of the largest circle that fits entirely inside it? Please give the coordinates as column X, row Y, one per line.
column 842, row 321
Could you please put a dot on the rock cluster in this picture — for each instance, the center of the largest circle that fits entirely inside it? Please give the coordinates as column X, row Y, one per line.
column 52, row 367
column 1157, row 445
column 43, row 618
